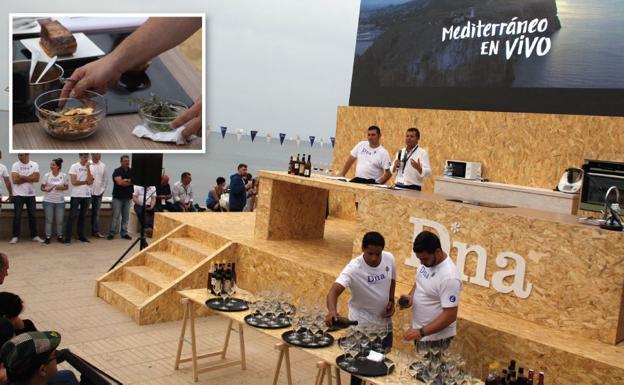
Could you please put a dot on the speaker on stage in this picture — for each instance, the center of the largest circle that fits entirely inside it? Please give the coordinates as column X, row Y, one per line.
column 146, row 169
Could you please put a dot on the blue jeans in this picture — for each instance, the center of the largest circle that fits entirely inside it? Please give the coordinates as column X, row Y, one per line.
column 18, row 205
column 121, row 211
column 78, row 206
column 63, row 377
column 149, row 217
column 53, row 211
column 96, row 204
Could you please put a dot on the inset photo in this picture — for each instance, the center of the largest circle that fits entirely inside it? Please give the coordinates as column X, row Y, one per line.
column 107, row 83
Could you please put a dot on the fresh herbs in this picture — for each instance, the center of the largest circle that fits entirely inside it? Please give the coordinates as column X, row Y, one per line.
column 157, row 113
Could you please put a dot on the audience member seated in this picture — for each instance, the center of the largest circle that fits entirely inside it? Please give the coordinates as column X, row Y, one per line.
column 150, row 203
column 30, row 359
column 163, row 196
column 4, row 267
column 11, row 306
column 214, row 196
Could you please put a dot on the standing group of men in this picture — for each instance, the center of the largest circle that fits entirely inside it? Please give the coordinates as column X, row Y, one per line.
column 86, row 180
column 374, row 165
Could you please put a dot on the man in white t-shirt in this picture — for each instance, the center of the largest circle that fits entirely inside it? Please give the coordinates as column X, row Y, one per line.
column 371, row 279
column 4, row 174
column 24, row 173
column 100, row 182
column 435, row 295
column 150, row 202
column 411, row 163
column 80, row 180
column 373, row 160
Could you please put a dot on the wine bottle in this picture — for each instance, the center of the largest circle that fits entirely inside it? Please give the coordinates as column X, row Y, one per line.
column 211, row 278
column 493, row 378
column 530, row 377
column 302, row 166
column 296, row 166
column 343, row 322
column 504, row 378
column 233, row 277
column 227, row 278
column 521, row 380
column 290, row 165
column 308, row 167
column 540, row 378
column 218, row 279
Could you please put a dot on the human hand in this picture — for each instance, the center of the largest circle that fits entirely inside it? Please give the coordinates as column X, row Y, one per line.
column 406, row 300
column 330, row 317
column 411, row 335
column 191, row 119
column 93, row 76
column 416, row 165
column 397, row 163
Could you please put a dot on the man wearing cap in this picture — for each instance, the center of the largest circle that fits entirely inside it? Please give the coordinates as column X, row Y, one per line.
column 30, row 359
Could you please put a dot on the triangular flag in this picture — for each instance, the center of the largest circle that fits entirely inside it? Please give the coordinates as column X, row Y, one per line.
column 312, row 137
column 298, row 140
column 321, row 142
column 282, row 137
column 253, row 134
column 223, row 130
column 268, row 136
column 332, row 140
column 239, row 133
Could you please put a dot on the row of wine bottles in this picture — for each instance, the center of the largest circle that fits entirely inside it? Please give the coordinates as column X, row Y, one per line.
column 221, row 278
column 299, row 166
column 509, row 376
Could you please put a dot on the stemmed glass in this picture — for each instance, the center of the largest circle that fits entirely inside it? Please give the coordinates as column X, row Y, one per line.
column 218, row 288
column 344, row 343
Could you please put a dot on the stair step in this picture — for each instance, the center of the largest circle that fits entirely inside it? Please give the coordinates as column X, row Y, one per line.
column 171, row 265
column 146, row 279
column 190, row 249
column 123, row 296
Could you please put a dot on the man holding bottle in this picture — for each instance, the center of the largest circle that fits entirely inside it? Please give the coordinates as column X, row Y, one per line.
column 371, row 279
column 435, row 295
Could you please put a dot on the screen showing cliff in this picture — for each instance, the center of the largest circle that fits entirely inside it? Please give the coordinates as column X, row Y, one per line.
column 557, row 56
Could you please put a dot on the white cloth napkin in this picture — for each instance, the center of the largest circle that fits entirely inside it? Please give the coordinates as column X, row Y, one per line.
column 375, row 356
column 169, row 136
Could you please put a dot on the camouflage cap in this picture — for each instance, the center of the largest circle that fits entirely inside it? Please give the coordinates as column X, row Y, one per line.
column 21, row 351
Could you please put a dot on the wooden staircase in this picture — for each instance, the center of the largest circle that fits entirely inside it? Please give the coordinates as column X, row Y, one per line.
column 145, row 286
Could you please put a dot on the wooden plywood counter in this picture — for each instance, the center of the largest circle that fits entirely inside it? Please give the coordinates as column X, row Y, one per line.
column 538, row 266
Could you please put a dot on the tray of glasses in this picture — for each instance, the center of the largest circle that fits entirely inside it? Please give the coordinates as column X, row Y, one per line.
column 229, row 304
column 303, row 339
column 365, row 367
column 267, row 321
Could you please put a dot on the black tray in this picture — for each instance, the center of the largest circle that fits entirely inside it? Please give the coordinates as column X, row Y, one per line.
column 366, row 368
column 261, row 325
column 237, row 304
column 301, row 344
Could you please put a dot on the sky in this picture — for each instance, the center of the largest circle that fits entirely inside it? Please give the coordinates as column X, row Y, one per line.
column 278, row 66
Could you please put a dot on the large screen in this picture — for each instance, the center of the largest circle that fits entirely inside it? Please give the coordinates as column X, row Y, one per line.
column 557, row 56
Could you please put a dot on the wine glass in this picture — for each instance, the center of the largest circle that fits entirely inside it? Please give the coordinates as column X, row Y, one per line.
column 218, row 287
column 343, row 343
column 388, row 363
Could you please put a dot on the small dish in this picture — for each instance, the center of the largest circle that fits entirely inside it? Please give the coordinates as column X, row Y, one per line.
column 70, row 118
column 159, row 118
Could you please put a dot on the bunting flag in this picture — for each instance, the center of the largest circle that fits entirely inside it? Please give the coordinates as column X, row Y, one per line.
column 239, row 133
column 321, row 142
column 282, row 137
column 268, row 136
column 253, row 134
column 298, row 140
column 333, row 141
column 223, row 130
column 312, row 137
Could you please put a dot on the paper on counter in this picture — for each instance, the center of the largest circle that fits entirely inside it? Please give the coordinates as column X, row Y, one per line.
column 169, row 136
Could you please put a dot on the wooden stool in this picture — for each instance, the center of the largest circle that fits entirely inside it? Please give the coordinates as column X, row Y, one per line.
column 324, row 369
column 189, row 314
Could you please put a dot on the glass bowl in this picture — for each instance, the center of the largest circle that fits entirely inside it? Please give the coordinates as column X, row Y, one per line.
column 70, row 118
column 162, row 124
